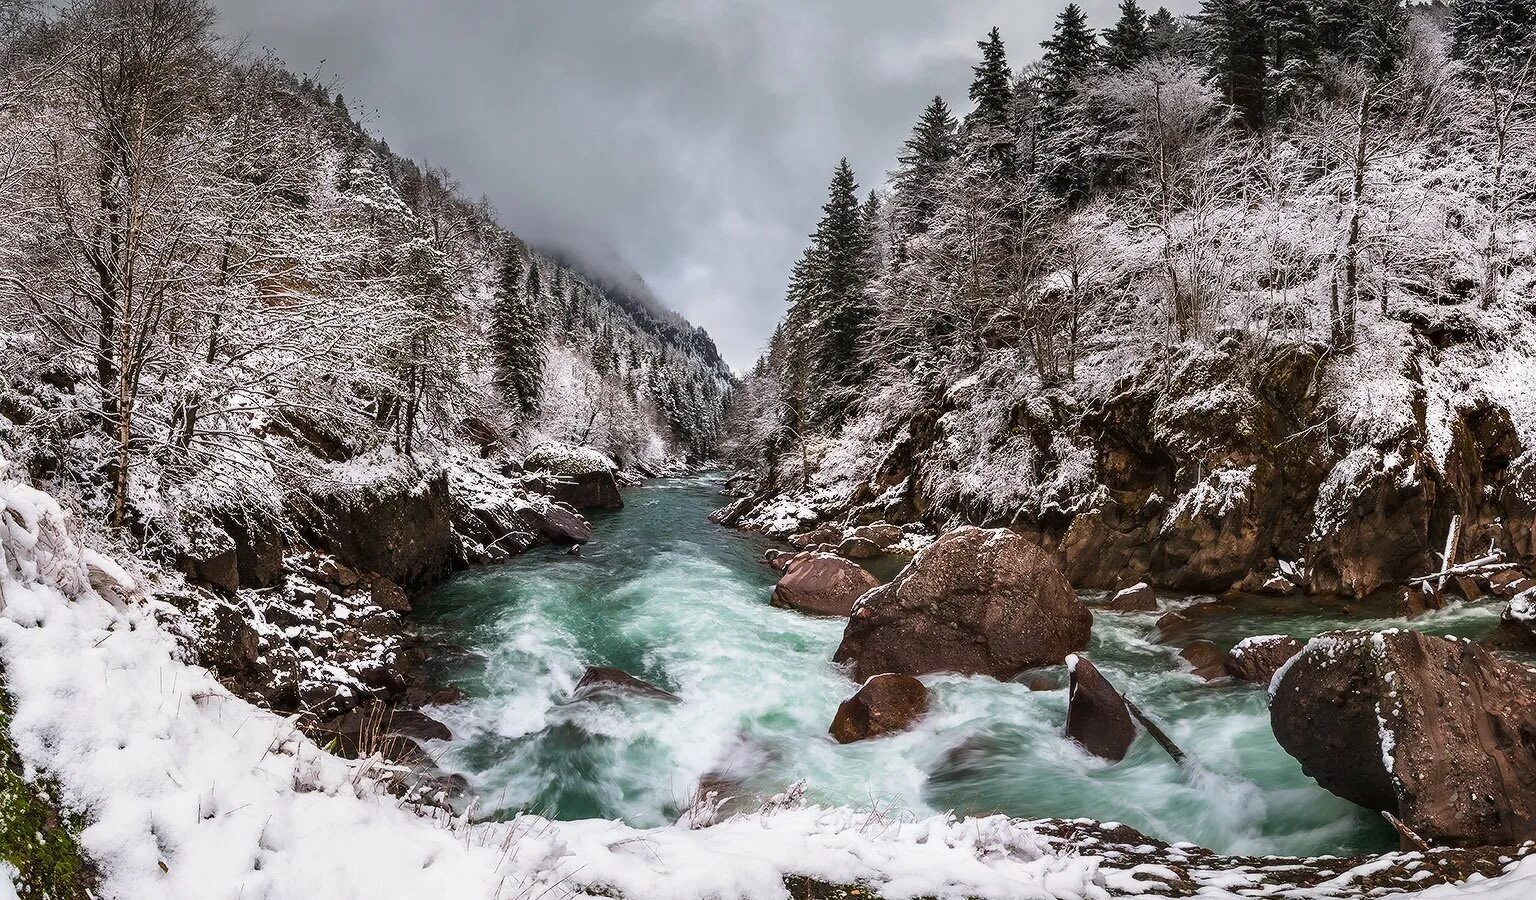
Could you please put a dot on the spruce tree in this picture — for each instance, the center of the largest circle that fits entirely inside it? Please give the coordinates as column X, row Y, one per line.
column 1496, row 35
column 989, row 126
column 1291, row 47
column 831, row 288
column 1071, row 53
column 921, row 165
column 1233, row 39
column 1371, row 33
column 517, row 335
column 1163, row 33
column 1127, row 44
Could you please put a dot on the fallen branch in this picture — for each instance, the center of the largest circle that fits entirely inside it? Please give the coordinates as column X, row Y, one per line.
column 1409, row 836
column 1157, row 733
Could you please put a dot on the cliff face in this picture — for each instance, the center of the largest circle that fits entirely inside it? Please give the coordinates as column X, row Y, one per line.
column 1343, row 471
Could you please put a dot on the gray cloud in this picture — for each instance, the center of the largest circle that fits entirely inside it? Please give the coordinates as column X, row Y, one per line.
column 693, row 137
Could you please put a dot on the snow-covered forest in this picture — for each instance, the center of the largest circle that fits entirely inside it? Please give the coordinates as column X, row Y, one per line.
column 215, row 282
column 1187, row 298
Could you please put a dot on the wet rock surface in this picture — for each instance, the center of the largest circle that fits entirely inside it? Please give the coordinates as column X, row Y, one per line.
column 1097, row 716
column 1437, row 731
column 599, row 680
column 822, row 584
column 976, row 602
column 884, row 705
column 1257, row 659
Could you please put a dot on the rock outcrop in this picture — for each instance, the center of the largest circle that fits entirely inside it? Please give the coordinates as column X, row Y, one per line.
column 1097, row 716
column 884, row 705
column 580, row 477
column 976, row 602
column 1437, row 731
column 822, row 584
column 1257, row 659
column 600, row 680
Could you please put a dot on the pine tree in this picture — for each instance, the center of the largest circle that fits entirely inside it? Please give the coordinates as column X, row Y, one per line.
column 925, row 156
column 1233, row 39
column 990, row 123
column 1163, row 33
column 1071, row 53
column 1127, row 45
column 1372, row 33
column 829, row 289
column 1494, row 34
column 1291, row 45
column 1071, row 142
column 517, row 335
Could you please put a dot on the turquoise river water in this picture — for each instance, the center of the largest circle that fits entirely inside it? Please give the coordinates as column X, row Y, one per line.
column 682, row 603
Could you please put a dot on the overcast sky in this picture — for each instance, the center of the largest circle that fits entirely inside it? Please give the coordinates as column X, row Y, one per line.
column 693, row 137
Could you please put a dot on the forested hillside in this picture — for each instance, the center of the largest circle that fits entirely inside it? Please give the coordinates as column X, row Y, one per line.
column 215, row 283
column 1198, row 300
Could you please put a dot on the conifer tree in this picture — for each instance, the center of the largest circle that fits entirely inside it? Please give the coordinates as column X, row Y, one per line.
column 990, row 123
column 1372, row 33
column 1071, row 53
column 1162, row 33
column 1233, row 39
column 1127, row 45
column 1494, row 34
column 839, row 279
column 922, row 162
column 517, row 335
column 1291, row 45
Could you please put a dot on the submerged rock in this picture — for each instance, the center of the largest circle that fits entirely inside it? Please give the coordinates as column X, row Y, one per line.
column 1098, row 718
column 884, row 705
column 606, row 679
column 1437, row 731
column 976, row 602
column 822, row 584
column 1257, row 659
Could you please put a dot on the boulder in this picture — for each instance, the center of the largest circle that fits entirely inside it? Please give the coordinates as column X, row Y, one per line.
column 1136, row 598
column 1272, row 584
column 885, row 704
column 398, row 524
column 598, row 680
column 1257, row 659
column 824, row 534
column 822, row 584
column 881, row 534
column 1416, row 600
column 589, row 490
column 1437, row 731
column 1509, row 583
column 1207, row 659
column 778, row 560
column 975, row 602
column 395, row 733
column 859, row 548
column 558, row 523
column 388, row 595
column 1517, row 627
column 1098, row 718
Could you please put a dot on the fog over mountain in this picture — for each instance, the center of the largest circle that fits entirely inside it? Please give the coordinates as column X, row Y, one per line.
column 692, row 138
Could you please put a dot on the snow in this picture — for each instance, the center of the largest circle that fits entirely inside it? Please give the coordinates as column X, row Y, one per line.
column 191, row 792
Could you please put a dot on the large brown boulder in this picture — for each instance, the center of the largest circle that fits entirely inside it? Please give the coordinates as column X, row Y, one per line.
column 1097, row 716
column 822, row 584
column 1257, row 659
column 976, row 602
column 885, row 704
column 1437, row 731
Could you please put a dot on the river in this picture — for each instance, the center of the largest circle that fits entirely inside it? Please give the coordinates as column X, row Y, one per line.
column 682, row 603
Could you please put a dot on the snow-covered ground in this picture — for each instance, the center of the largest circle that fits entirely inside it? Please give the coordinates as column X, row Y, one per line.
column 190, row 792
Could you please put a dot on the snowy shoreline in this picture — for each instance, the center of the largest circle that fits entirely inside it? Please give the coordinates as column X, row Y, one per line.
column 192, row 792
